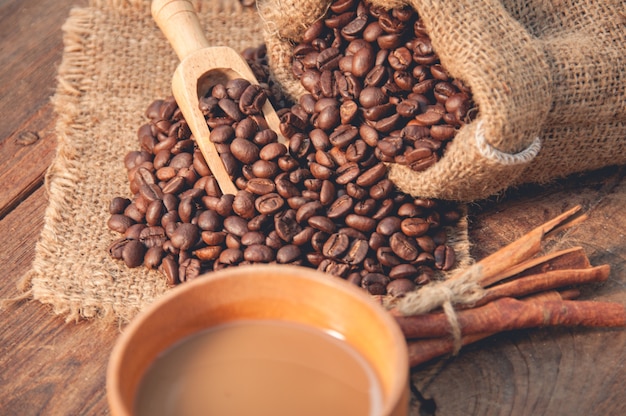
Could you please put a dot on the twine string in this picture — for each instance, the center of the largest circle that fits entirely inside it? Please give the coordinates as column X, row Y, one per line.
column 461, row 289
column 490, row 152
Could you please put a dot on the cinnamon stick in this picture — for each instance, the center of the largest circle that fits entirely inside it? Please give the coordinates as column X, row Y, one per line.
column 524, row 248
column 423, row 350
column 571, row 258
column 506, row 314
column 526, row 285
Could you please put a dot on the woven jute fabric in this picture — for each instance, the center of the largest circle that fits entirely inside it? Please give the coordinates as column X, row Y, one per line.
column 547, row 77
column 115, row 63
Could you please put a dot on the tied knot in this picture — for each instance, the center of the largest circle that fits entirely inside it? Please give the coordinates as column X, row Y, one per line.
column 459, row 290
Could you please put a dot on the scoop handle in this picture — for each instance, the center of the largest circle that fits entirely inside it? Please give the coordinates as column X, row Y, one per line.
column 179, row 22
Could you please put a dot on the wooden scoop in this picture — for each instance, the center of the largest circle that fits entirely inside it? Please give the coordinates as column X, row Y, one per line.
column 202, row 66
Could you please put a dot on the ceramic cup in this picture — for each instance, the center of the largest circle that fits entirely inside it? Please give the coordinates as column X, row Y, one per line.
column 262, row 292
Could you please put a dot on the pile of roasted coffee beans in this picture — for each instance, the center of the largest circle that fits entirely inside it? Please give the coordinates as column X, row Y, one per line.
column 321, row 201
column 374, row 81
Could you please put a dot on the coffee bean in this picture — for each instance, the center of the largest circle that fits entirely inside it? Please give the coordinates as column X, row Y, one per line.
column 372, row 175
column 189, row 269
column 365, row 207
column 328, row 59
column 341, row 6
column 355, row 191
column 322, row 223
column 153, row 257
column 360, row 222
column 252, row 237
column 235, row 225
column 231, row 256
column 185, row 236
column 133, row 253
column 303, row 236
column 155, row 211
column 403, row 271
column 359, row 151
column 116, row 248
column 334, row 268
column 209, row 220
column 186, row 210
column 118, row 205
column 385, row 210
column 236, row 87
column 357, row 252
column 348, row 172
column 308, row 210
column 244, row 150
column 252, row 99
column 386, row 257
column 246, row 129
column 272, row 151
column 399, row 287
column 336, row 245
column 444, row 257
column 134, row 231
column 328, row 193
column 120, row 222
column 320, row 171
column 377, row 241
column 169, row 267
column 375, row 283
column 372, row 96
column 388, row 226
column 175, row 185
column 231, row 109
column 286, row 225
column 288, row 254
column 260, row 186
column 363, row 61
column 259, row 253
column 269, row 204
column 382, row 189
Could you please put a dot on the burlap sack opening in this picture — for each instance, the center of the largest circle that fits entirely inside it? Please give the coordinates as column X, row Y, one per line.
column 115, row 63
column 547, row 78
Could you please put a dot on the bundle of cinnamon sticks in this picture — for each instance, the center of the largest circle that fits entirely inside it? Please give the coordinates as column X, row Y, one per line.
column 511, row 289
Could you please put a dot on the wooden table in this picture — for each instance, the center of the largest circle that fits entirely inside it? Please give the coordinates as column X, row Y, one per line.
column 50, row 367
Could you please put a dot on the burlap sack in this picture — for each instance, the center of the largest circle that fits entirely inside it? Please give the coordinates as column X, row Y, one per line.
column 548, row 79
column 115, row 63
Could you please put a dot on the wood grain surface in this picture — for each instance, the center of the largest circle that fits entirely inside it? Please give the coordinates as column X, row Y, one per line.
column 52, row 367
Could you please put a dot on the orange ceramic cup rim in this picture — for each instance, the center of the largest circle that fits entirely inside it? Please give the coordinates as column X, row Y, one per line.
column 284, row 292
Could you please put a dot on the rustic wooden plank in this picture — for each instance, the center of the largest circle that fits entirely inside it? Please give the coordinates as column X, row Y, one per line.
column 49, row 366
column 32, row 47
column 23, row 164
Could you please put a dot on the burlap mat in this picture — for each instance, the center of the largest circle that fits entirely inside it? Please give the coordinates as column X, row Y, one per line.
column 115, row 63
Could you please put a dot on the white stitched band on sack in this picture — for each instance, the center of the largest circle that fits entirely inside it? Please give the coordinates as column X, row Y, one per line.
column 490, row 152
